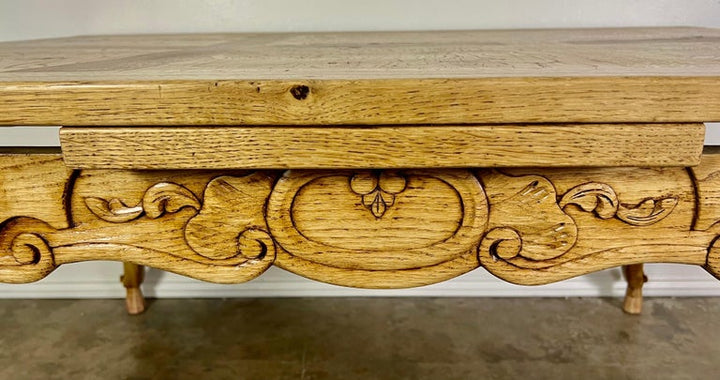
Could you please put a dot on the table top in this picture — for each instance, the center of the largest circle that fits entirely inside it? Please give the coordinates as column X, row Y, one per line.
column 500, row 76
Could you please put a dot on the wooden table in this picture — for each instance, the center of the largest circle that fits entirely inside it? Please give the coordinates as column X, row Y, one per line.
column 376, row 160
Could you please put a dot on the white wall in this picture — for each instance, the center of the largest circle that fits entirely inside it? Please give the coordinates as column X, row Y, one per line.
column 22, row 19
column 27, row 19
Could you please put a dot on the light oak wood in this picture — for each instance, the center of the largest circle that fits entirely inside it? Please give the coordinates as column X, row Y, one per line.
column 523, row 76
column 707, row 181
column 675, row 51
column 383, row 147
column 367, row 102
column 633, row 295
column 34, row 184
column 131, row 279
column 417, row 224
column 618, row 216
column 172, row 220
column 363, row 228
column 556, row 153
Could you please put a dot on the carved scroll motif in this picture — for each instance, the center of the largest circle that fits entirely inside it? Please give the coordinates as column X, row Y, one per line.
column 601, row 199
column 231, row 222
column 533, row 240
column 28, row 256
column 158, row 199
column 228, row 224
column 375, row 229
column 170, row 229
column 525, row 219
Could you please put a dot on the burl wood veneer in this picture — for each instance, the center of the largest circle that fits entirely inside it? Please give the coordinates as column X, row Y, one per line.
column 376, row 160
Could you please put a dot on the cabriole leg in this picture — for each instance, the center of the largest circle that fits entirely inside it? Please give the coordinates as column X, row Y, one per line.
column 132, row 279
column 633, row 295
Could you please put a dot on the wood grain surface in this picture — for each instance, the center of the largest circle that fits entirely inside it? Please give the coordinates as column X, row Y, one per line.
column 522, row 76
column 132, row 278
column 362, row 228
column 707, row 180
column 383, row 147
column 34, row 185
column 678, row 51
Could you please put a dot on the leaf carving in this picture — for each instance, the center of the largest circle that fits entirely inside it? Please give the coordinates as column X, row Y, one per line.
column 167, row 197
column 597, row 197
column 603, row 200
column 377, row 203
column 525, row 220
column 158, row 199
column 378, row 190
column 647, row 212
column 114, row 211
column 231, row 222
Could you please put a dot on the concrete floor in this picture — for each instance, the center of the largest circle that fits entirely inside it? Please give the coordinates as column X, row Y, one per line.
column 360, row 338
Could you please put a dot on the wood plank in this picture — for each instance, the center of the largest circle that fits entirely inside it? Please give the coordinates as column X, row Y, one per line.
column 522, row 76
column 367, row 55
column 383, row 147
column 367, row 102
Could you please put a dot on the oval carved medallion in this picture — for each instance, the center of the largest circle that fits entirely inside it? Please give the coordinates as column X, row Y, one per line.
column 378, row 220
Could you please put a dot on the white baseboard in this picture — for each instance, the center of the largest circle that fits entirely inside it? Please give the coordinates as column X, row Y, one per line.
column 101, row 280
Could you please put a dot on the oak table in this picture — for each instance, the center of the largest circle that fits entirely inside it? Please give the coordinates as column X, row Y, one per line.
column 376, row 160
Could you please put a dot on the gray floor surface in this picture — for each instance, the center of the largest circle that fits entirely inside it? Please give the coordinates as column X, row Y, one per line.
column 360, row 338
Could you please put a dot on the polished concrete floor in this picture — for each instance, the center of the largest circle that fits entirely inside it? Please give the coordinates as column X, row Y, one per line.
column 360, row 338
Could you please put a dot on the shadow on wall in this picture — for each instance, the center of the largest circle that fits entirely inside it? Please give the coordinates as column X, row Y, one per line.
column 48, row 136
column 712, row 133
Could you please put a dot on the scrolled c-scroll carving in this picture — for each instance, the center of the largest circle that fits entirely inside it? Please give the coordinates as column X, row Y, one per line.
column 375, row 229
column 526, row 205
column 255, row 244
column 522, row 205
column 230, row 217
column 502, row 243
column 222, row 238
column 25, row 255
column 224, row 230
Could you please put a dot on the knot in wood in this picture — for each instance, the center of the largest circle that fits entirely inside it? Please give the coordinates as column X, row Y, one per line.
column 300, row 92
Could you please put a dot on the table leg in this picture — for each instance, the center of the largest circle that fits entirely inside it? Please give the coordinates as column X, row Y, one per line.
column 633, row 295
column 132, row 279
